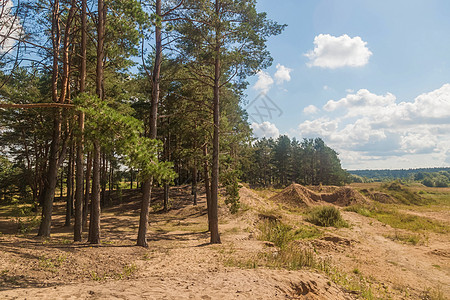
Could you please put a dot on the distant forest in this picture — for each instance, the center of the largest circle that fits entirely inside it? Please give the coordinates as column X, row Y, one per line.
column 438, row 177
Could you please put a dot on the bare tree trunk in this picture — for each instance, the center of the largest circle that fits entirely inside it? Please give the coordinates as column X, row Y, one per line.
column 78, row 227
column 69, row 197
column 207, row 186
column 87, row 192
column 52, row 177
column 194, row 183
column 52, row 173
column 214, row 222
column 94, row 226
column 131, row 178
column 147, row 187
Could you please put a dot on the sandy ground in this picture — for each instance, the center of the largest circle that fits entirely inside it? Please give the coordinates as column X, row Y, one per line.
column 180, row 264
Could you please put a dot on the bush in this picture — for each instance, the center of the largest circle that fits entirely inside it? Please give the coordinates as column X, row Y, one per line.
column 326, row 216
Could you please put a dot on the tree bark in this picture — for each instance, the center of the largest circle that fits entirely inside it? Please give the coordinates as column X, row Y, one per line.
column 94, row 226
column 214, row 222
column 87, row 192
column 78, row 227
column 207, row 185
column 69, row 197
column 52, row 173
column 194, row 183
column 147, row 187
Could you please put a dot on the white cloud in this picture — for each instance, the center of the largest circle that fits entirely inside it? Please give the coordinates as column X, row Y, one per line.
column 368, row 127
column 264, row 82
column 363, row 99
column 335, row 52
column 265, row 129
column 10, row 28
column 283, row 74
column 310, row 110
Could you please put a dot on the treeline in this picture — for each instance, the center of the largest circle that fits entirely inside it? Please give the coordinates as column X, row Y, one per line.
column 389, row 175
column 283, row 161
column 434, row 179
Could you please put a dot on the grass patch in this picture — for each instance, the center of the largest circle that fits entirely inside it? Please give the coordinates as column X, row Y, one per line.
column 391, row 216
column 326, row 216
column 413, row 239
column 275, row 231
column 281, row 234
column 404, row 194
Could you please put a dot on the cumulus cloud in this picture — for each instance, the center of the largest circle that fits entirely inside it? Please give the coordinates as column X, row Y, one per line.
column 310, row 110
column 283, row 74
column 265, row 129
column 367, row 125
column 10, row 28
column 264, row 83
column 335, row 52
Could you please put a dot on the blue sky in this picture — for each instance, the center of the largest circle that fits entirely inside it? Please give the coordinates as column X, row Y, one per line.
column 372, row 78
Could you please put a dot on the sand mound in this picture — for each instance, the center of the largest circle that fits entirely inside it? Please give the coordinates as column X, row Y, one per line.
column 344, row 196
column 379, row 197
column 297, row 195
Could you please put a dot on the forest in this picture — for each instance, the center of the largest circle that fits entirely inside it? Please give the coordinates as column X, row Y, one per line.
column 94, row 94
column 431, row 177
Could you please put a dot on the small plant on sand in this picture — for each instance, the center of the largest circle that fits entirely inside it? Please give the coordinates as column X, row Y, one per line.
column 326, row 216
column 129, row 270
column 275, row 231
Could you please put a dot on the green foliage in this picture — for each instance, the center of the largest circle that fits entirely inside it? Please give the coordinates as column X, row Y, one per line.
column 230, row 181
column 282, row 161
column 326, row 216
column 124, row 134
column 403, row 194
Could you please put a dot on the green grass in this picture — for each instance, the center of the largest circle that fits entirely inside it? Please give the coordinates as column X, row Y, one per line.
column 326, row 216
column 391, row 216
column 281, row 234
column 276, row 232
column 413, row 239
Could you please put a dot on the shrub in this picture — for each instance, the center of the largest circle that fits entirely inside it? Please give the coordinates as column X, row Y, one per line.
column 326, row 216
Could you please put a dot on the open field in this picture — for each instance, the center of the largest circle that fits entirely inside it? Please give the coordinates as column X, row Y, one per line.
column 269, row 250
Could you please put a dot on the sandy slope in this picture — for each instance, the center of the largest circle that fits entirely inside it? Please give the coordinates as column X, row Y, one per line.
column 180, row 264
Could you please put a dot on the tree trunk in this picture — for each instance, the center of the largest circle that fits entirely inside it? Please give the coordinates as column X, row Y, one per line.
column 94, row 225
column 194, row 183
column 207, row 186
column 52, row 178
column 214, row 222
column 52, row 173
column 78, row 227
column 87, row 192
column 69, row 197
column 166, row 197
column 131, row 179
column 147, row 187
